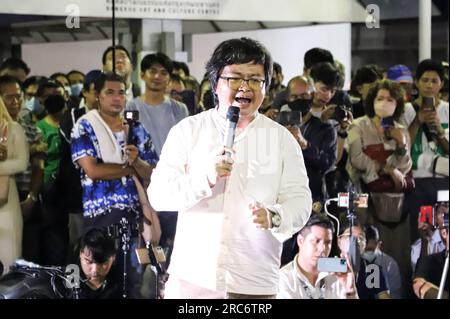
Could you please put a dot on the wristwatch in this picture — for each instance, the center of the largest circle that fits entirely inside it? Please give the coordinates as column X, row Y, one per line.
column 275, row 218
column 32, row 197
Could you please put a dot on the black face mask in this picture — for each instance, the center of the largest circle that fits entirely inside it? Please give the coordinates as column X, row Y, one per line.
column 54, row 104
column 301, row 105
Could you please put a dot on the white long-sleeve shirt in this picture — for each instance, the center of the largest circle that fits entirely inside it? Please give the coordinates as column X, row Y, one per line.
column 217, row 245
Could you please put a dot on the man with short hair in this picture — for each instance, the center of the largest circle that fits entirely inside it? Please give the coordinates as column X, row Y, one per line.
column 175, row 88
column 158, row 113
column 318, row 139
column 301, row 279
column 311, row 58
column 373, row 254
column 123, row 67
column 298, row 88
column 428, row 130
column 373, row 287
column 109, row 159
column 69, row 176
column 97, row 255
column 15, row 67
column 234, row 214
column 364, row 78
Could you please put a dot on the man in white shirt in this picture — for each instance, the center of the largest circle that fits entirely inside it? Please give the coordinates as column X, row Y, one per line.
column 428, row 129
column 234, row 213
column 301, row 279
column 430, row 241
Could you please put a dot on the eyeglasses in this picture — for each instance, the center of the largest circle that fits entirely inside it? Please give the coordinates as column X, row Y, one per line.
column 12, row 97
column 236, row 83
column 359, row 239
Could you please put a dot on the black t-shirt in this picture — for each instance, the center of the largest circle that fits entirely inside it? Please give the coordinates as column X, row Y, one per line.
column 431, row 268
column 109, row 290
column 367, row 287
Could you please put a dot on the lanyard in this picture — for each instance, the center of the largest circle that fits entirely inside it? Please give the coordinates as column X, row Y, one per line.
column 308, row 291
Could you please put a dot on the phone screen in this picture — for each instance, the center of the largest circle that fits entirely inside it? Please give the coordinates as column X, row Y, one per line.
column 331, row 265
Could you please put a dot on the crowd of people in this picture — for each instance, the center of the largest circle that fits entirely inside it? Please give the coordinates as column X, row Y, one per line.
column 130, row 179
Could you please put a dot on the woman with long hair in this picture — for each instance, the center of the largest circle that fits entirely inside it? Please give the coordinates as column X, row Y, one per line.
column 14, row 158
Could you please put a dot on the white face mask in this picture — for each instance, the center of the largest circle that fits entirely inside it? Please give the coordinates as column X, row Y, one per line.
column 384, row 109
column 67, row 90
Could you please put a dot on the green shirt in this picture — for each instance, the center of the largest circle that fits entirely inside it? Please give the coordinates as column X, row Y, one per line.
column 53, row 157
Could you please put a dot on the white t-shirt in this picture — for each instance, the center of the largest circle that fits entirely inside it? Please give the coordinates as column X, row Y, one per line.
column 425, row 159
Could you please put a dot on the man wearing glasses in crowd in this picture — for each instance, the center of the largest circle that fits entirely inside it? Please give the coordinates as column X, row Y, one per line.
column 235, row 211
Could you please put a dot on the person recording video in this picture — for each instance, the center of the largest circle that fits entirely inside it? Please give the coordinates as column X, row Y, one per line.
column 303, row 277
column 431, row 269
column 237, row 201
column 112, row 165
column 430, row 241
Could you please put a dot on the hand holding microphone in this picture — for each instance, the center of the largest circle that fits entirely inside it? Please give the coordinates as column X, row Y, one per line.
column 223, row 162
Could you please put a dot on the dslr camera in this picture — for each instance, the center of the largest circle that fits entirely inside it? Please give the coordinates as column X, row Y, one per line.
column 340, row 113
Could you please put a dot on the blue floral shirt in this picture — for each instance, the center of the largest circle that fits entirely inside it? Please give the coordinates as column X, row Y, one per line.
column 100, row 196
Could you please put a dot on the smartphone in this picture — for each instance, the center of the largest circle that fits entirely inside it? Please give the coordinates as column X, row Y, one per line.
column 131, row 117
column 428, row 102
column 387, row 122
column 427, row 215
column 332, row 265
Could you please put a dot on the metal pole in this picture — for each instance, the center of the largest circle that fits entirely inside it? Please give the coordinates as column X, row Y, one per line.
column 114, row 36
column 444, row 276
column 424, row 29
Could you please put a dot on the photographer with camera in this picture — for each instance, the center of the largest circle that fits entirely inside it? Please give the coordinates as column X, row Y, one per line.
column 305, row 278
column 318, row 139
column 112, row 164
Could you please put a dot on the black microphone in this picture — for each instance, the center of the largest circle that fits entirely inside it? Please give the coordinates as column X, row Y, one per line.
column 232, row 119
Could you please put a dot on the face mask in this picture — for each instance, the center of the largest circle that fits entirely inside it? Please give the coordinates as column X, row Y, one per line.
column 384, row 109
column 34, row 106
column 75, row 89
column 67, row 90
column 301, row 105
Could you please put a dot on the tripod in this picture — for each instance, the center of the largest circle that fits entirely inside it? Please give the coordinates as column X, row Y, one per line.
column 125, row 231
column 353, row 252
